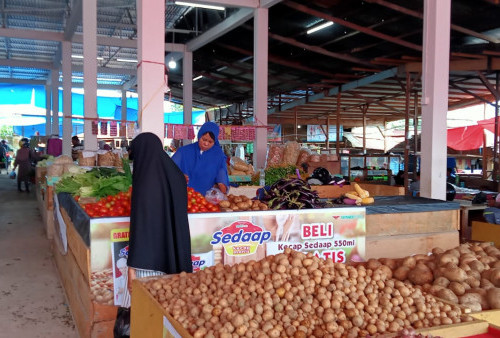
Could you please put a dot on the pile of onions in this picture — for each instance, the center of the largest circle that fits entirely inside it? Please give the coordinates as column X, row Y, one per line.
column 296, row 295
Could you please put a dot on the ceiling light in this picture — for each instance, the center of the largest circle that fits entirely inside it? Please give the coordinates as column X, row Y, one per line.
column 183, row 3
column 317, row 28
column 126, row 60
column 172, row 64
column 298, row 126
column 197, row 78
column 75, row 56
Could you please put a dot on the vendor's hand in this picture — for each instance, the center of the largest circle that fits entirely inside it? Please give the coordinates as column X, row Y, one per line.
column 131, row 277
column 222, row 187
column 187, row 178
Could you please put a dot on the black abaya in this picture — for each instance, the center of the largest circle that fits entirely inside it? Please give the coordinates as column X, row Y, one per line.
column 159, row 228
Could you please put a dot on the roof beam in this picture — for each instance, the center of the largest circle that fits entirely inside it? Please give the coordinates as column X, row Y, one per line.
column 235, row 20
column 130, row 83
column 108, row 70
column 460, row 65
column 488, row 85
column 281, row 61
column 480, row 98
column 268, row 3
column 31, row 34
column 319, row 14
column 26, row 64
column 23, row 81
column 334, row 91
column 320, row 50
column 419, row 15
column 374, row 101
column 74, row 20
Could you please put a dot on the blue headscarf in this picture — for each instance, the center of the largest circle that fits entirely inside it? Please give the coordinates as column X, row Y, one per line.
column 203, row 169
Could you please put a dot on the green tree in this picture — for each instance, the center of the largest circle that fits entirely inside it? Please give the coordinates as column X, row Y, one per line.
column 6, row 132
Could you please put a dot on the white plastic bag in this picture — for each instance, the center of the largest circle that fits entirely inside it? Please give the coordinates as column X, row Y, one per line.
column 214, row 196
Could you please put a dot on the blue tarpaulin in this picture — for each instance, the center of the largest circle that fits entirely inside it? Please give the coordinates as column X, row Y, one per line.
column 28, row 103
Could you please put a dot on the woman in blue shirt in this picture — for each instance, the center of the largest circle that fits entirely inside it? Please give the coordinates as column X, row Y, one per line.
column 204, row 163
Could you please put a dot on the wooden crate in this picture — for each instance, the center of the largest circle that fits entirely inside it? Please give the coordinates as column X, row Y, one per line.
column 491, row 316
column 409, row 244
column 47, row 216
column 486, row 232
column 92, row 319
column 149, row 319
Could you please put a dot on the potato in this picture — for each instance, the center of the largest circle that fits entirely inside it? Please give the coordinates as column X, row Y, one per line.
column 486, row 284
column 493, row 297
column 474, row 274
column 237, row 199
column 472, row 282
column 401, row 273
column 391, row 263
column 410, row 262
column 469, row 298
column 442, row 281
column 435, row 289
column 373, row 264
column 420, row 275
column 457, row 288
column 455, row 274
column 495, row 277
column 385, row 270
column 474, row 307
column 453, row 252
column 447, row 294
column 448, row 258
column 225, row 204
column 495, row 264
column 437, row 251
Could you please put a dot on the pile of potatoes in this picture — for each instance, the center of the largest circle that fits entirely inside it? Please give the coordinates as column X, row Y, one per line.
column 293, row 294
column 468, row 275
column 241, row 203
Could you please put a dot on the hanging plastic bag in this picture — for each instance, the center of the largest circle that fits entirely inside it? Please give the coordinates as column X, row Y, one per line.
column 214, row 196
column 12, row 175
column 122, row 323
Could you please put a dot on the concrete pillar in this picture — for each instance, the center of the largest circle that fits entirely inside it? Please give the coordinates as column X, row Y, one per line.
column 55, row 101
column 151, row 78
column 435, row 75
column 67, row 110
column 187, row 89
column 89, row 17
column 48, row 109
column 124, row 105
column 260, row 70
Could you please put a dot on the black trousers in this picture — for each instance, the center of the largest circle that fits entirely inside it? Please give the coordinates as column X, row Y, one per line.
column 26, row 185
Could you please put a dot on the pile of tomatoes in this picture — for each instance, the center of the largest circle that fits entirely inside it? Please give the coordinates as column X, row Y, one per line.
column 198, row 203
column 110, row 206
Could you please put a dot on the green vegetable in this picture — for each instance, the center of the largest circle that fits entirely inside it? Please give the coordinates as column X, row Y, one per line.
column 98, row 182
column 274, row 174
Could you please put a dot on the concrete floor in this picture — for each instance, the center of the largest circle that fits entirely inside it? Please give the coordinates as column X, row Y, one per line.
column 32, row 301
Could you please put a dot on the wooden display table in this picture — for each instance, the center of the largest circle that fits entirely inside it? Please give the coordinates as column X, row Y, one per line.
column 486, row 232
column 92, row 319
column 44, row 196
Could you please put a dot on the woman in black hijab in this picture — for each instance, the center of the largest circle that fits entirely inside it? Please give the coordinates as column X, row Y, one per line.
column 159, row 229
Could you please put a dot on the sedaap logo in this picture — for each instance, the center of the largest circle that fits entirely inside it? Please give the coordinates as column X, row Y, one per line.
column 198, row 263
column 241, row 238
column 124, row 252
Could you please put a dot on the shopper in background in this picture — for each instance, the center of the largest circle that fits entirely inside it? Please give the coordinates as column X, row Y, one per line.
column 3, row 156
column 204, row 163
column 24, row 159
column 76, row 146
column 159, row 229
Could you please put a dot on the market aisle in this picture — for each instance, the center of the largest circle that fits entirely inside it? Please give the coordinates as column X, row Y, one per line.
column 32, row 302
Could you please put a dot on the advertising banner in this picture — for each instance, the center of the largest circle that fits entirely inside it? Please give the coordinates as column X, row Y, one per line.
column 337, row 233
